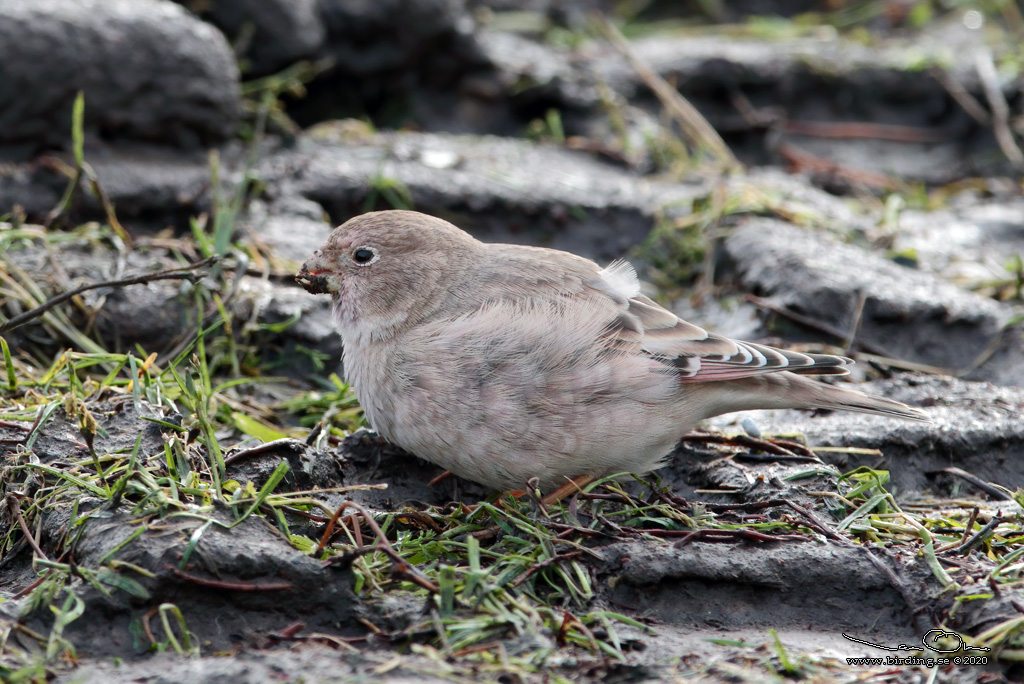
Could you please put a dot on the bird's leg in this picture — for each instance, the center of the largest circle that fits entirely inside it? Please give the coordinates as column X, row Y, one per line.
column 514, row 493
column 439, row 479
column 574, row 485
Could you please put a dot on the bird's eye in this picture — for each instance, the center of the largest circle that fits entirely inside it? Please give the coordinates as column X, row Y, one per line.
column 364, row 256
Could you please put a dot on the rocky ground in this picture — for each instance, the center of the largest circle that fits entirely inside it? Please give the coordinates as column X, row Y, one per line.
column 189, row 494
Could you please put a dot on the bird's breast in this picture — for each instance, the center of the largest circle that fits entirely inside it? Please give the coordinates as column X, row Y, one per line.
column 367, row 371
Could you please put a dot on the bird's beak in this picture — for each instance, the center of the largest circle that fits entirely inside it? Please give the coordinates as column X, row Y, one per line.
column 314, row 282
column 313, row 276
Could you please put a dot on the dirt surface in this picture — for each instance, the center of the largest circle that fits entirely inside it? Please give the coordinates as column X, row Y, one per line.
column 244, row 590
column 188, row 489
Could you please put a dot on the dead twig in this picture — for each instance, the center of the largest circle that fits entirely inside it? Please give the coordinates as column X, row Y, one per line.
column 571, row 621
column 537, row 567
column 25, row 591
column 997, row 103
column 182, row 273
column 400, row 566
column 964, row 537
column 982, row 534
column 778, row 450
column 970, row 525
column 990, row 489
column 813, row 324
column 813, row 521
column 229, row 586
column 325, row 538
column 856, row 130
column 858, row 318
column 12, row 502
column 438, row 479
column 83, row 171
column 694, row 125
column 805, row 161
column 956, row 90
column 287, row 634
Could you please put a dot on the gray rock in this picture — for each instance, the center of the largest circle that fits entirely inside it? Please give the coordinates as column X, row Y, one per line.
column 317, row 663
column 149, row 70
column 151, row 186
column 308, row 468
column 728, row 475
column 158, row 314
column 34, row 190
column 151, row 314
column 292, row 228
column 544, row 72
column 278, row 583
column 119, row 424
column 1004, row 364
column 276, row 33
column 885, row 596
column 906, row 314
column 692, row 10
column 374, row 36
column 499, row 189
column 397, row 60
column 977, row 428
column 573, row 13
column 772, row 584
column 750, row 61
column 529, row 78
column 791, row 194
column 242, row 579
column 786, row 83
column 972, row 242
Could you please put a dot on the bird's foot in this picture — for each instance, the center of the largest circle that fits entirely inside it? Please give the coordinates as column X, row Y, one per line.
column 439, row 479
column 574, row 485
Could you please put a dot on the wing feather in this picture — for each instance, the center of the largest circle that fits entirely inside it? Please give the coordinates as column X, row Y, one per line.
column 635, row 324
column 694, row 353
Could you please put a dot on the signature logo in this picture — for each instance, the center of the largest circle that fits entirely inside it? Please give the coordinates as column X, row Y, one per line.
column 930, row 640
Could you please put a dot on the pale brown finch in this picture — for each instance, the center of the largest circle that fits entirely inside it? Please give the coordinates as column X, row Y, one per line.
column 503, row 363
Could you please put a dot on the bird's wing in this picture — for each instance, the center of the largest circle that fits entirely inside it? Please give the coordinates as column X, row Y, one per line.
column 696, row 354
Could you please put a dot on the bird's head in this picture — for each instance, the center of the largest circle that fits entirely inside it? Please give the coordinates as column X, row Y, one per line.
column 387, row 268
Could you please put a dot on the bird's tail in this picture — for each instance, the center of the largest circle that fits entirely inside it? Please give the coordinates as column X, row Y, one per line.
column 787, row 390
column 854, row 400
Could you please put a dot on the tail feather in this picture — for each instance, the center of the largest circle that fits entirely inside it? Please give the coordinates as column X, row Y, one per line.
column 788, row 390
column 854, row 400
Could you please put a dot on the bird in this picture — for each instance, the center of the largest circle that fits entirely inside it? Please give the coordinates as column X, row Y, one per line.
column 508, row 364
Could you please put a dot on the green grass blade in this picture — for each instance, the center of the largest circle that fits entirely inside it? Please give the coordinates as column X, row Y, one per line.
column 78, row 129
column 12, row 380
column 268, row 487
